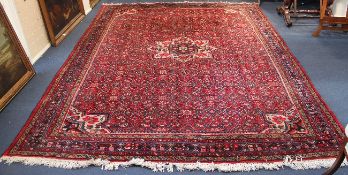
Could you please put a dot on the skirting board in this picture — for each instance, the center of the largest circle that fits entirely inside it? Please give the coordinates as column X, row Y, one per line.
column 86, row 6
column 38, row 56
column 88, row 10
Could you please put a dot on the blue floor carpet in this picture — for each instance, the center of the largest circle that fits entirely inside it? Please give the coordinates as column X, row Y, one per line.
column 325, row 60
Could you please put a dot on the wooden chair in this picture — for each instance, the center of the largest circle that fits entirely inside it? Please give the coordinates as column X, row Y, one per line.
column 341, row 156
column 329, row 22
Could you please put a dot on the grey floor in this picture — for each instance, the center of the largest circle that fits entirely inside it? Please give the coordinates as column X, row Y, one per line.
column 325, row 60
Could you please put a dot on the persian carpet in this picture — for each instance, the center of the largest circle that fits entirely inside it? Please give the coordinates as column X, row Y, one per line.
column 207, row 86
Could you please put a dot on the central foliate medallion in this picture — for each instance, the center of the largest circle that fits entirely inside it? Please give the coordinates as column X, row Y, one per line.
column 183, row 49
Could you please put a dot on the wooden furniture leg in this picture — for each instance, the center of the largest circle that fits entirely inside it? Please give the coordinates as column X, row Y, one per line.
column 285, row 12
column 316, row 33
column 337, row 164
column 290, row 10
column 323, row 5
column 339, row 159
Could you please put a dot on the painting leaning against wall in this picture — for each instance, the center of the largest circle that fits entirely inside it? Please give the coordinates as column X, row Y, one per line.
column 61, row 13
column 15, row 67
column 61, row 17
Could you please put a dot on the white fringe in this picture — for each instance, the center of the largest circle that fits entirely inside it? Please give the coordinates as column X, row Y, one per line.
column 297, row 164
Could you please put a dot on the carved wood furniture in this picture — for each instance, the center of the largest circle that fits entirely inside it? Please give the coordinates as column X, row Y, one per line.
column 290, row 9
column 329, row 22
column 340, row 158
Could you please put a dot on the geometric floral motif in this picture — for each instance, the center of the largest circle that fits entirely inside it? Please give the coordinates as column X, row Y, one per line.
column 79, row 122
column 183, row 49
column 289, row 123
column 145, row 81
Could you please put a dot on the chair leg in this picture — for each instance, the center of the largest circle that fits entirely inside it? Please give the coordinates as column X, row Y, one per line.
column 317, row 32
column 337, row 163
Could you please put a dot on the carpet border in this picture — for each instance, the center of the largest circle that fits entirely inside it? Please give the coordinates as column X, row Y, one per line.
column 304, row 73
column 161, row 166
column 55, row 79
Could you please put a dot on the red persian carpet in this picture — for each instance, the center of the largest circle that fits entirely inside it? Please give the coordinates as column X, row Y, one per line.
column 208, row 86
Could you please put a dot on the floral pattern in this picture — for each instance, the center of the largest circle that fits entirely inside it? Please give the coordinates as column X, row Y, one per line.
column 287, row 123
column 183, row 49
column 77, row 122
column 180, row 82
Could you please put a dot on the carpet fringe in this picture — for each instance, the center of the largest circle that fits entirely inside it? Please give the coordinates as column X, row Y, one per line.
column 297, row 164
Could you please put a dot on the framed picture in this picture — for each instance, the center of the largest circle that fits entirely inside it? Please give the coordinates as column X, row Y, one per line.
column 93, row 2
column 61, row 16
column 15, row 67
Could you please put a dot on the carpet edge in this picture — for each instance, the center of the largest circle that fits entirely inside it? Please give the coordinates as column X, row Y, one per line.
column 297, row 164
column 50, row 85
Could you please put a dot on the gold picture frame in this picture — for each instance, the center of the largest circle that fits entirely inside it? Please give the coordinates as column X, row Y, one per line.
column 60, row 17
column 93, row 3
column 15, row 67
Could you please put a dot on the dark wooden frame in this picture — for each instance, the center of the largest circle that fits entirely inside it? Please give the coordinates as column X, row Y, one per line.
column 339, row 159
column 327, row 22
column 56, row 39
column 93, row 2
column 12, row 92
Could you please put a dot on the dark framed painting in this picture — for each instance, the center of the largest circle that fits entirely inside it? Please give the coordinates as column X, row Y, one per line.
column 15, row 67
column 60, row 17
column 93, row 2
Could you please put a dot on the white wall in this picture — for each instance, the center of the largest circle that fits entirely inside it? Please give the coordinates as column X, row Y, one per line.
column 33, row 27
column 86, row 6
column 27, row 20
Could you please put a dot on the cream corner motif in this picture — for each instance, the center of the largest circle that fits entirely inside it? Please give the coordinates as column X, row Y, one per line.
column 90, row 123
